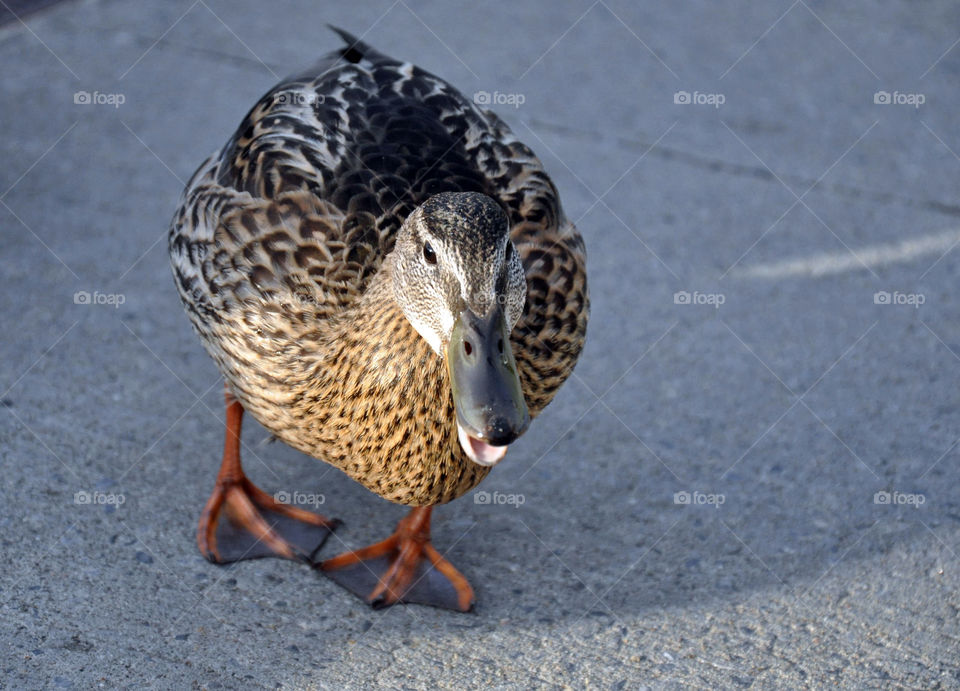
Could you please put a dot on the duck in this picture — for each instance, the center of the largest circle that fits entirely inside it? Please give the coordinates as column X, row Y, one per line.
column 385, row 278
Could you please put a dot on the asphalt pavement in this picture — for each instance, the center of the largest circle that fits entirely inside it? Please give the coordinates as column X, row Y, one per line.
column 751, row 480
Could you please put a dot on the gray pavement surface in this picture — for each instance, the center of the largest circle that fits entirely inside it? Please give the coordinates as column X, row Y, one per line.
column 774, row 332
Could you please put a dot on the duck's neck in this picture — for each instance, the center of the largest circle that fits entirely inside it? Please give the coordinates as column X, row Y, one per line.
column 374, row 342
column 377, row 404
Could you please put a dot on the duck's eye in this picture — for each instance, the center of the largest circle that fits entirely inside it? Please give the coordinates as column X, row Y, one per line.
column 428, row 254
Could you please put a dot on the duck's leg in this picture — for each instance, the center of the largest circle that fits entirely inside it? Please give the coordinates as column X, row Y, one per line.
column 241, row 521
column 403, row 568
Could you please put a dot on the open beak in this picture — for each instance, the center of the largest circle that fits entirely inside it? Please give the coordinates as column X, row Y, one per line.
column 491, row 412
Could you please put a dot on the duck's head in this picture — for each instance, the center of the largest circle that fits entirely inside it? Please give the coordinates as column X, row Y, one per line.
column 460, row 283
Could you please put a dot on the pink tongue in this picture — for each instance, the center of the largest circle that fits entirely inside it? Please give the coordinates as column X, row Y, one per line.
column 480, row 451
column 485, row 453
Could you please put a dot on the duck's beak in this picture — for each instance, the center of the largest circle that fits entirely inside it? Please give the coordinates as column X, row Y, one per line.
column 491, row 412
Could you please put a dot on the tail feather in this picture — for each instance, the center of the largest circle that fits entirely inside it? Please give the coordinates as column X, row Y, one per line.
column 356, row 50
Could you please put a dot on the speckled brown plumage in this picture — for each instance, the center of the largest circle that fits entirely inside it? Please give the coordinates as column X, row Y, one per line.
column 281, row 254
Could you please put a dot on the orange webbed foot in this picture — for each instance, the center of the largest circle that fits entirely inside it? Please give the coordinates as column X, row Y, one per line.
column 403, row 568
column 241, row 521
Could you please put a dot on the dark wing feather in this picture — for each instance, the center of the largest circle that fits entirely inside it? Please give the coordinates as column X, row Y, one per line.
column 304, row 201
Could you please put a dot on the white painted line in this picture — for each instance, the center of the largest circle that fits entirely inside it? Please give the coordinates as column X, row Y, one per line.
column 827, row 263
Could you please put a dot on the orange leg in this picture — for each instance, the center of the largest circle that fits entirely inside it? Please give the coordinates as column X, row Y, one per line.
column 241, row 521
column 403, row 568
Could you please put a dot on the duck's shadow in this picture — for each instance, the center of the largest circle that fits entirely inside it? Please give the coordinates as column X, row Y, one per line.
column 575, row 536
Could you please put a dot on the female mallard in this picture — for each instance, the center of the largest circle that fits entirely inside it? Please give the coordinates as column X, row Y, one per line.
column 386, row 279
